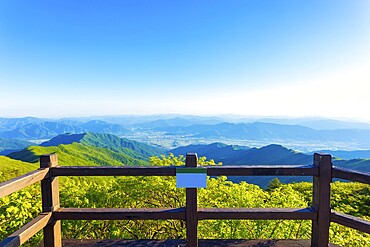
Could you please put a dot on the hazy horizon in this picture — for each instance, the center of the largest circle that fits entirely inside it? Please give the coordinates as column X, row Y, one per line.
column 252, row 58
column 225, row 117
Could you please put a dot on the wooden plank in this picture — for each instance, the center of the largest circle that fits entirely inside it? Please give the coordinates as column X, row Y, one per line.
column 27, row 231
column 246, row 170
column 179, row 213
column 50, row 202
column 119, row 214
column 257, row 213
column 356, row 176
column 253, row 170
column 321, row 200
column 350, row 221
column 23, row 181
column 114, row 171
column 191, row 206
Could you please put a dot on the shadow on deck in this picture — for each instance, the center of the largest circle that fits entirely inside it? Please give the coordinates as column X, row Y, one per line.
column 182, row 243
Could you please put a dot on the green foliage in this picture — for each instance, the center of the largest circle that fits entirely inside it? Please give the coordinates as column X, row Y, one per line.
column 274, row 184
column 10, row 168
column 161, row 192
column 78, row 154
column 18, row 209
column 91, row 149
column 136, row 149
column 351, row 198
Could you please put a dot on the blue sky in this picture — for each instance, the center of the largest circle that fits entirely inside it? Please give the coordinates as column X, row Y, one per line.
column 267, row 58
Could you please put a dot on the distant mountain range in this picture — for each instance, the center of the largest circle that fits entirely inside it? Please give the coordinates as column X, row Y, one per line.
column 166, row 120
column 219, row 152
column 357, row 154
column 269, row 155
column 110, row 150
column 269, row 132
column 175, row 130
column 34, row 128
column 11, row 145
column 235, row 155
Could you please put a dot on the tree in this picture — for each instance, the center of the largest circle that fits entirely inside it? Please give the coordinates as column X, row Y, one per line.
column 274, row 184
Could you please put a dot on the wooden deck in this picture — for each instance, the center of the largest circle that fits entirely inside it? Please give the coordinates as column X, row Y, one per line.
column 182, row 243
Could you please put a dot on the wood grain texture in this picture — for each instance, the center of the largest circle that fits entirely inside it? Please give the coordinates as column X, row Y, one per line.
column 351, row 221
column 257, row 213
column 15, row 184
column 27, row 231
column 191, row 206
column 321, row 200
column 246, row 170
column 114, row 171
column 119, row 213
column 355, row 176
column 271, row 170
column 50, row 202
column 179, row 213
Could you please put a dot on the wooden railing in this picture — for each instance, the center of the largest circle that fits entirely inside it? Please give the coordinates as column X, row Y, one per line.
column 49, row 220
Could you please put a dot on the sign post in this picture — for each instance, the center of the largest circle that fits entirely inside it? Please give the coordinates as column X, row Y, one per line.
column 191, row 177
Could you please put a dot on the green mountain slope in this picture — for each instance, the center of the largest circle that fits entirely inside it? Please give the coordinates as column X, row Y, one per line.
column 270, row 155
column 63, row 139
column 219, row 152
column 78, row 154
column 133, row 148
column 118, row 144
column 362, row 165
column 236, row 155
column 10, row 168
column 91, row 149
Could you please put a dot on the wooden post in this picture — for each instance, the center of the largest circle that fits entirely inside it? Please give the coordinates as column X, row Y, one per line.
column 191, row 206
column 50, row 202
column 321, row 200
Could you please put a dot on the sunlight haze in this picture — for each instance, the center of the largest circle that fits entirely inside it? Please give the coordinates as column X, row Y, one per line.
column 252, row 58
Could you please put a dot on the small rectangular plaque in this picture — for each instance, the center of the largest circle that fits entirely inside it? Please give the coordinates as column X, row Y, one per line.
column 191, row 177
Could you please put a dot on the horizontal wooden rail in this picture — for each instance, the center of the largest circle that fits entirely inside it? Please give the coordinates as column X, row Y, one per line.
column 257, row 213
column 350, row 221
column 253, row 170
column 113, row 171
column 119, row 213
column 171, row 170
column 179, row 213
column 15, row 184
column 27, row 231
column 351, row 175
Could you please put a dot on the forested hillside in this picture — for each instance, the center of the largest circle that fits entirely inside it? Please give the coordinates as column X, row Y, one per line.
column 10, row 168
column 91, row 149
column 133, row 192
column 137, row 192
column 238, row 155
